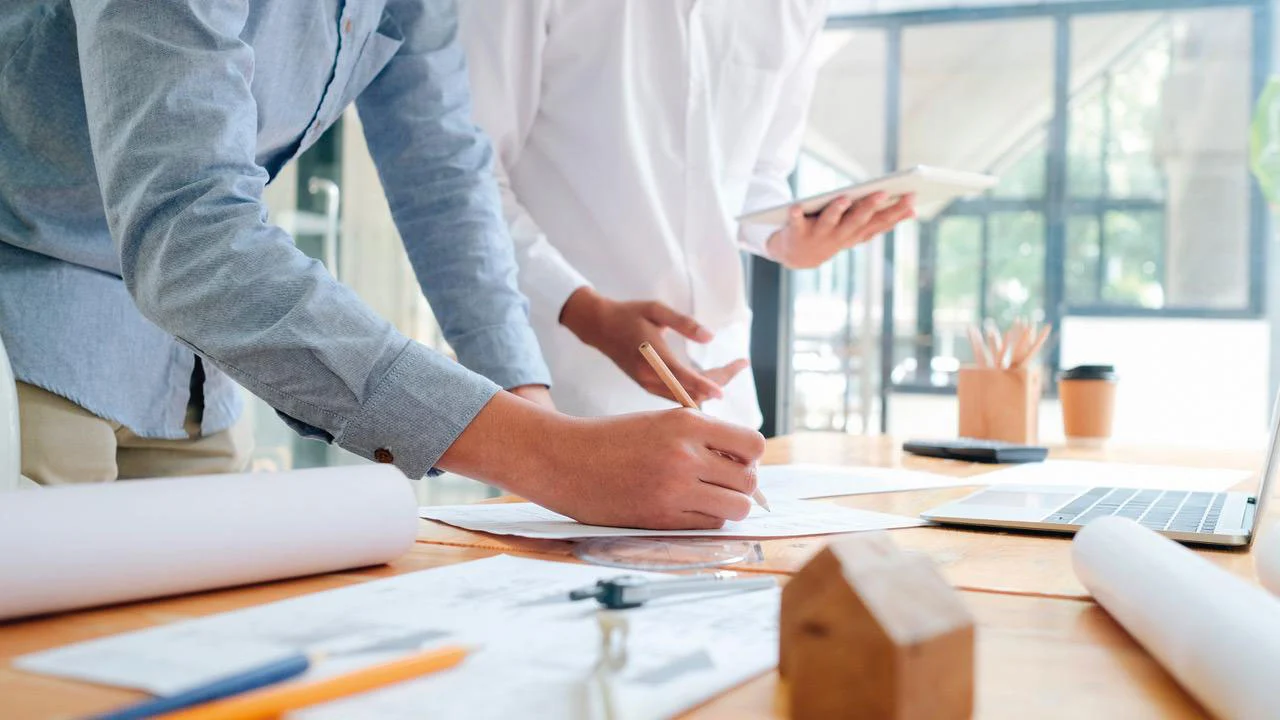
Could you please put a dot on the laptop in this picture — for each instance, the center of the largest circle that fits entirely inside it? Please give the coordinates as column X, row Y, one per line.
column 1224, row 519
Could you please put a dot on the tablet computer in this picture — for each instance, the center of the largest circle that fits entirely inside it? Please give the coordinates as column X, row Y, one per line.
column 934, row 189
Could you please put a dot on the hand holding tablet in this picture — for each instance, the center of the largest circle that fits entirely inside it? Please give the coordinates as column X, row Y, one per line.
column 808, row 241
column 932, row 187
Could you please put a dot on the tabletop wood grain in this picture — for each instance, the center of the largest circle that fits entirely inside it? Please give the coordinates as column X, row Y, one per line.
column 1044, row 649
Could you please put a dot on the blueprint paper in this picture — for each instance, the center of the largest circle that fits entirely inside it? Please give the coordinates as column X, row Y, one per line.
column 535, row 652
column 1216, row 633
column 76, row 547
column 789, row 518
column 804, row 481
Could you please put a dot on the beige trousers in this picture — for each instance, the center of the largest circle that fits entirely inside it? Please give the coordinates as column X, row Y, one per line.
column 62, row 443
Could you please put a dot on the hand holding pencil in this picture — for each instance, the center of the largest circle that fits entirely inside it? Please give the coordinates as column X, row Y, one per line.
column 655, row 361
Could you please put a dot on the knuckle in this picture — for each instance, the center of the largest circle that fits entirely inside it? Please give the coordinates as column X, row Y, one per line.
column 688, row 419
column 688, row 461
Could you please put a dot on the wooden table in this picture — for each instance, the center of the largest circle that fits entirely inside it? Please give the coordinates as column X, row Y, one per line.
column 1044, row 649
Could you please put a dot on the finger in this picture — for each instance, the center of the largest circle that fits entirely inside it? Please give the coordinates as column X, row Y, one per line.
column 832, row 213
column 903, row 207
column 720, row 503
column 722, row 375
column 795, row 217
column 699, row 388
column 666, row 317
column 861, row 212
column 881, row 222
column 726, row 472
column 888, row 219
column 693, row 520
column 744, row 444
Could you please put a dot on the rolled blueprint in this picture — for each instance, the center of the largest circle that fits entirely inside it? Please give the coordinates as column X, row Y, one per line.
column 1266, row 555
column 74, row 547
column 1217, row 634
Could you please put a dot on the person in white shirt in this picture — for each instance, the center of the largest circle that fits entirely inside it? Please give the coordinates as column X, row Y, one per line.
column 630, row 134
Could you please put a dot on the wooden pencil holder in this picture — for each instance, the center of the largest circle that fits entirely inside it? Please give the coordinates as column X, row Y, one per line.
column 1000, row 403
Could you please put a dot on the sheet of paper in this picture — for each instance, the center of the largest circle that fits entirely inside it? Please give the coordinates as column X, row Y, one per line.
column 1216, row 633
column 535, row 657
column 1086, row 474
column 804, row 481
column 1266, row 556
column 790, row 518
column 112, row 542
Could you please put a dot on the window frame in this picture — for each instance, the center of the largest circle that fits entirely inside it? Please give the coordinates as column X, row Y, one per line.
column 1057, row 205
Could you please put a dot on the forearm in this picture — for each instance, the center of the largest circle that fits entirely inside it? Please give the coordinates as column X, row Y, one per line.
column 525, row 432
column 436, row 168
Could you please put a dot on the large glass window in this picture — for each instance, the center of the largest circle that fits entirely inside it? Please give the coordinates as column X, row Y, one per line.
column 1157, row 146
column 1124, row 190
column 975, row 96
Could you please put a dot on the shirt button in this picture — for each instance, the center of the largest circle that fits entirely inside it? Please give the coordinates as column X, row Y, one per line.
column 346, row 26
column 383, row 455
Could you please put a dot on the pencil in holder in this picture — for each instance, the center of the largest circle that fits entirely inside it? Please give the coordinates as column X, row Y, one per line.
column 1000, row 403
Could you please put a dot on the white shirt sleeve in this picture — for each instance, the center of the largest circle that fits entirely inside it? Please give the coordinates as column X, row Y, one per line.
column 504, row 41
column 781, row 146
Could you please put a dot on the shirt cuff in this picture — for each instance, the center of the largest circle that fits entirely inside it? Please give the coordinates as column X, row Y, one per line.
column 506, row 354
column 754, row 238
column 422, row 405
column 548, row 282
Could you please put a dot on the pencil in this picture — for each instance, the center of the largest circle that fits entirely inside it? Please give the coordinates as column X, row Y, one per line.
column 678, row 391
column 1015, row 341
column 993, row 340
column 270, row 702
column 980, row 355
column 1035, row 346
column 230, row 686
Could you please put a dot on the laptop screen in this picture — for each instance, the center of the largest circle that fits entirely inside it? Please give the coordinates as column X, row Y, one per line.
column 1268, row 469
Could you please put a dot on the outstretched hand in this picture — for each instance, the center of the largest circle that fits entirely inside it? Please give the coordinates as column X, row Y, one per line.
column 617, row 329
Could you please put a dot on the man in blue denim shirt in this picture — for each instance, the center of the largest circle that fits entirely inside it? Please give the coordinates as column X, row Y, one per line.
column 133, row 240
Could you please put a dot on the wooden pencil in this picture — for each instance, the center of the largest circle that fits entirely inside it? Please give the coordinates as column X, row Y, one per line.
column 278, row 700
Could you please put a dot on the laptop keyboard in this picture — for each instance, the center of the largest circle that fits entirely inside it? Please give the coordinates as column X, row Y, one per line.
column 1190, row 512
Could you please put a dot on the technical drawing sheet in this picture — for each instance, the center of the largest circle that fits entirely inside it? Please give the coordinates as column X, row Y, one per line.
column 535, row 653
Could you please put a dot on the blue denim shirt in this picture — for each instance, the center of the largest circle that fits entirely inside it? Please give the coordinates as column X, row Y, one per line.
column 136, row 137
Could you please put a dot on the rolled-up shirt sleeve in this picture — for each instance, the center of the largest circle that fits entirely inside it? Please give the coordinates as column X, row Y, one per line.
column 172, row 124
column 437, row 168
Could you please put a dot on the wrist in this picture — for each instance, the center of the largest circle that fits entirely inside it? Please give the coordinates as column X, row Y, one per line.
column 582, row 311
column 505, row 445
column 773, row 247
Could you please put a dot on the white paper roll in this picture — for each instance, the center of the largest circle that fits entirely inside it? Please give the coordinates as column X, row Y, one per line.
column 1266, row 556
column 1217, row 634
column 75, row 547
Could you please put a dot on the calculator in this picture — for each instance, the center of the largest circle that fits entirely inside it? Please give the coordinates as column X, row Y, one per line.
column 977, row 450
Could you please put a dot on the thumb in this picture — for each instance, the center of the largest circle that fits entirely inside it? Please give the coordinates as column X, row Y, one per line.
column 664, row 316
column 722, row 375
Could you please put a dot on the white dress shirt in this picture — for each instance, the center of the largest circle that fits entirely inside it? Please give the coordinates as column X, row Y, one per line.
column 630, row 134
